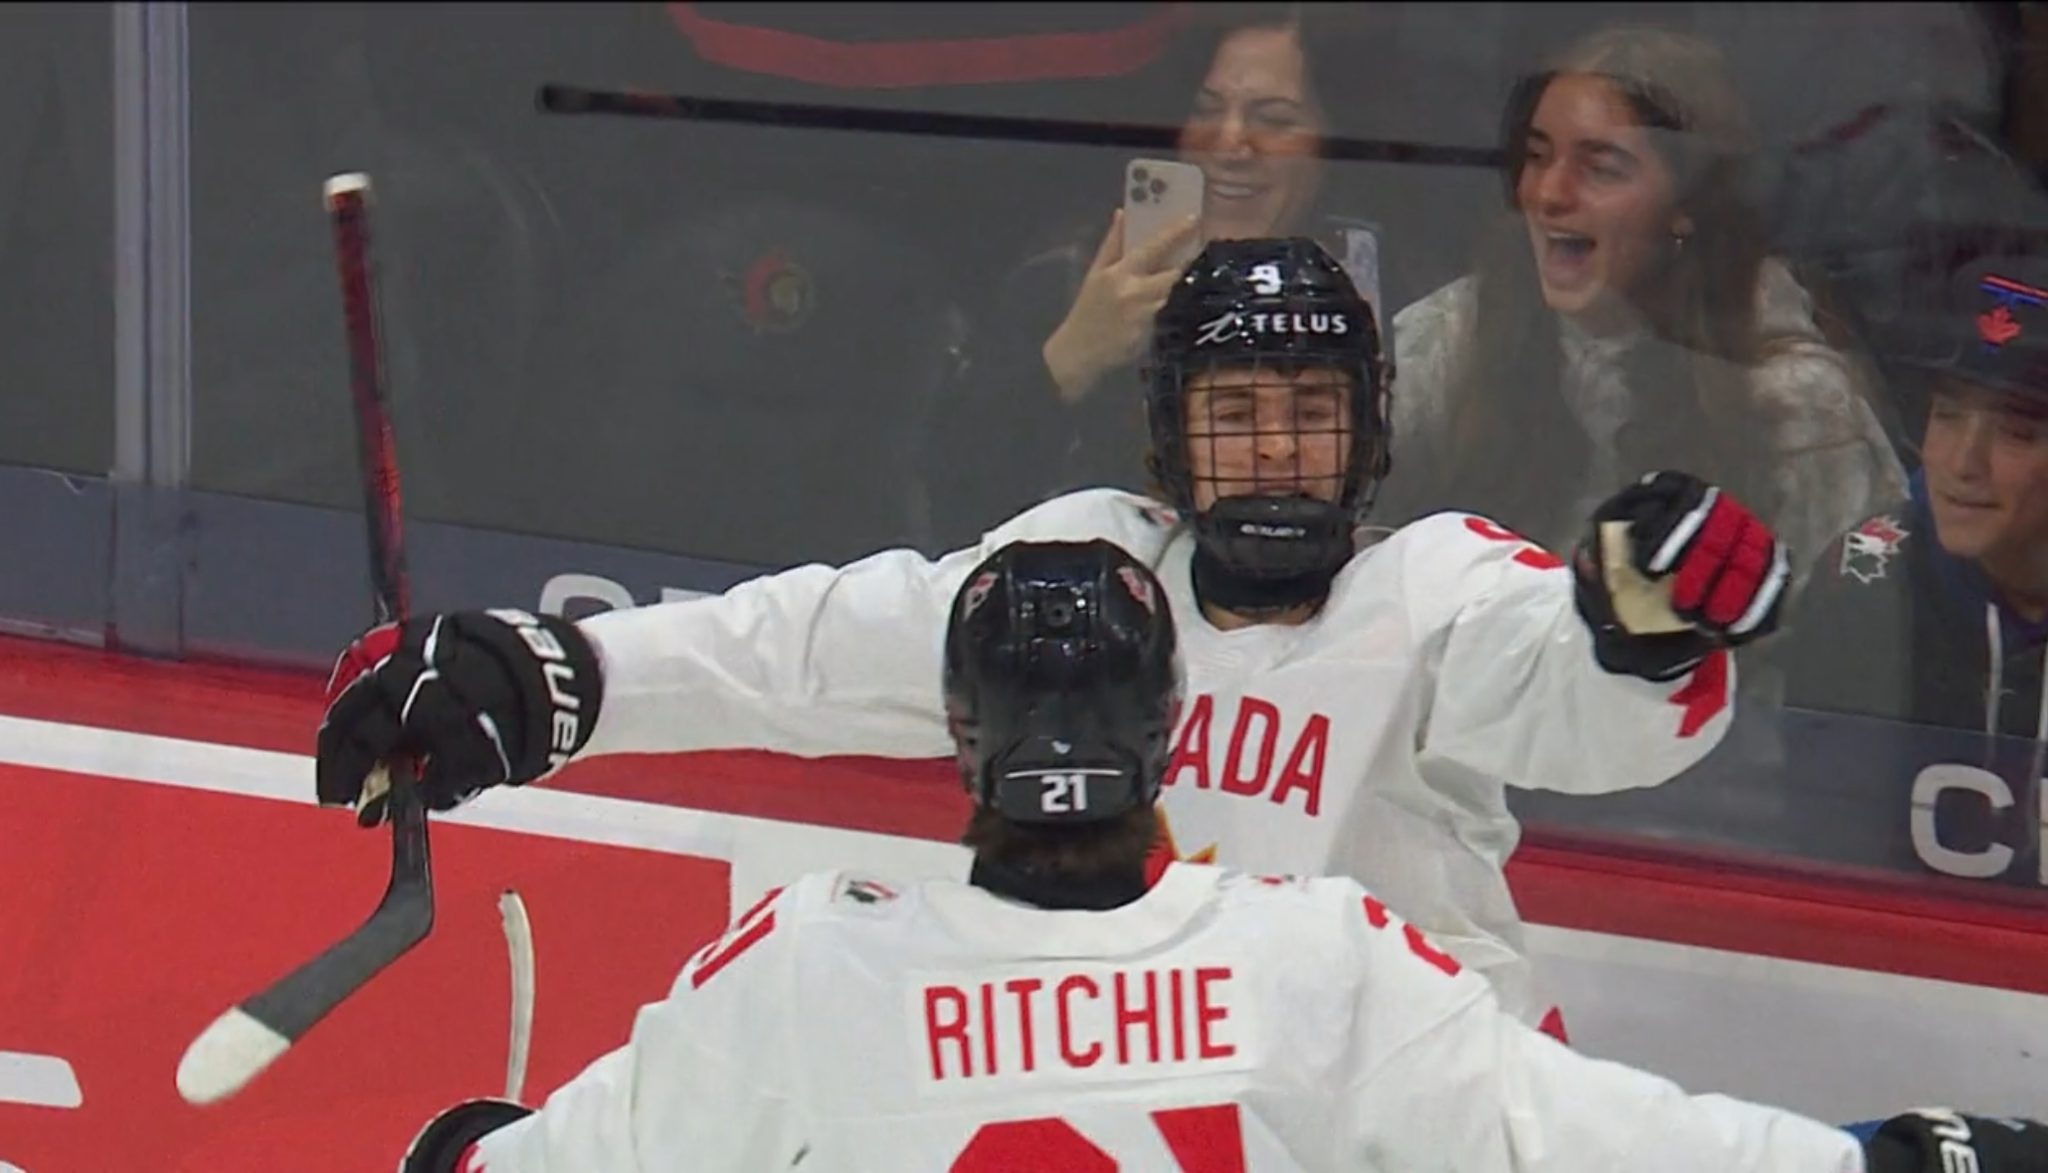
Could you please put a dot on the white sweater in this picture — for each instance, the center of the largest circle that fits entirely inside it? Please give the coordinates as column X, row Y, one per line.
column 1834, row 466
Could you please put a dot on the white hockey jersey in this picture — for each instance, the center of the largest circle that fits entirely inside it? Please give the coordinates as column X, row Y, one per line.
column 1373, row 741
column 1223, row 1023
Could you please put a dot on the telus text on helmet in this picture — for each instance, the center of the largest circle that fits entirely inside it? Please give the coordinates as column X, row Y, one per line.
column 1232, row 324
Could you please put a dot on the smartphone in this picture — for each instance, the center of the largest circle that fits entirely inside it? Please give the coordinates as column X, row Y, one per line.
column 1362, row 262
column 1158, row 193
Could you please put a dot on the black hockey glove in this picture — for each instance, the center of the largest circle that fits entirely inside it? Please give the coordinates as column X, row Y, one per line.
column 447, row 1137
column 478, row 698
column 1672, row 568
column 1940, row 1140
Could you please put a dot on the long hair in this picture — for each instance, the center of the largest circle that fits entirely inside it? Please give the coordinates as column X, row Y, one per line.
column 1080, row 855
column 1167, row 100
column 1691, row 405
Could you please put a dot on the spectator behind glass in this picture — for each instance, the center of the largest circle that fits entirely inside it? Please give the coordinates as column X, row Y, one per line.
column 1056, row 371
column 1935, row 609
column 1255, row 129
column 1627, row 318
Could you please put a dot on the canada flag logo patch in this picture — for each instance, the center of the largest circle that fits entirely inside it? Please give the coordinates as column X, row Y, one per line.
column 1998, row 327
column 866, row 892
column 1868, row 549
column 2002, row 322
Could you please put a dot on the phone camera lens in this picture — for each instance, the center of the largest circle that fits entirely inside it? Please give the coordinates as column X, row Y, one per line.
column 1137, row 195
column 1158, row 185
column 1140, row 174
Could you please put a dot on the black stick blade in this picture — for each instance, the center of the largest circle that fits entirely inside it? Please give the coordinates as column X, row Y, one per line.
column 236, row 1047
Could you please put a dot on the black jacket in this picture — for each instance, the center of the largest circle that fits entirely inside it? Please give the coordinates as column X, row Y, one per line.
column 1893, row 626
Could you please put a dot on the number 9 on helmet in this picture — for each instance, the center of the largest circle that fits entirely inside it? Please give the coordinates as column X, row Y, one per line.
column 1063, row 682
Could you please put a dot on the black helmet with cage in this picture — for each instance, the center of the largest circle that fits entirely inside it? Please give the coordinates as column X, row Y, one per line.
column 1283, row 306
column 1062, row 682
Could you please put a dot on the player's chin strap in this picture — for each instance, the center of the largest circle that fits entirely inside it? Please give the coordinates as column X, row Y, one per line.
column 1046, row 891
column 1262, row 555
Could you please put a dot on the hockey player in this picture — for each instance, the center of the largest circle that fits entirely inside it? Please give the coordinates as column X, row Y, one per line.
column 1055, row 1012
column 1358, row 705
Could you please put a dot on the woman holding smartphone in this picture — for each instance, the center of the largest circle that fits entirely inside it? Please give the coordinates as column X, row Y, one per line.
column 1057, row 368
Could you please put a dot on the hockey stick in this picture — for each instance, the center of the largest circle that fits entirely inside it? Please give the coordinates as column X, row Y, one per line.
column 519, row 945
column 567, row 99
column 245, row 1040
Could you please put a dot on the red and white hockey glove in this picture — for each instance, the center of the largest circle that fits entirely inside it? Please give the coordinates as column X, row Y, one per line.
column 1672, row 568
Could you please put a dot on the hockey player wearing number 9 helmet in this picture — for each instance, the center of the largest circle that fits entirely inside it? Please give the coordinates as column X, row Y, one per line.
column 1357, row 702
column 1059, row 1011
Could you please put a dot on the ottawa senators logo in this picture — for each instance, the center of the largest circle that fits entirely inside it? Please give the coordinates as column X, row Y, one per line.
column 775, row 295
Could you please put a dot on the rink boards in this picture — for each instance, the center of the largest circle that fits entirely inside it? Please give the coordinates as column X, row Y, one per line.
column 150, row 881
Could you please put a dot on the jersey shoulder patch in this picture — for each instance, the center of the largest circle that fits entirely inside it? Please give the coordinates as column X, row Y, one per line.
column 1866, row 554
column 1151, row 512
column 863, row 891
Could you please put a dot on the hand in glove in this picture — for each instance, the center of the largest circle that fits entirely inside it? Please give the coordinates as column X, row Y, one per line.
column 1672, row 568
column 1940, row 1140
column 479, row 698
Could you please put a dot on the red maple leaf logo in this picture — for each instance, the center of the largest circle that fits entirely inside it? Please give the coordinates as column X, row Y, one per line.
column 1998, row 327
column 1883, row 529
column 1705, row 695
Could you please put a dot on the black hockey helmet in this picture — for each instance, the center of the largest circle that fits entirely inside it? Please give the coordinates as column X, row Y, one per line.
column 1062, row 682
column 1278, row 304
